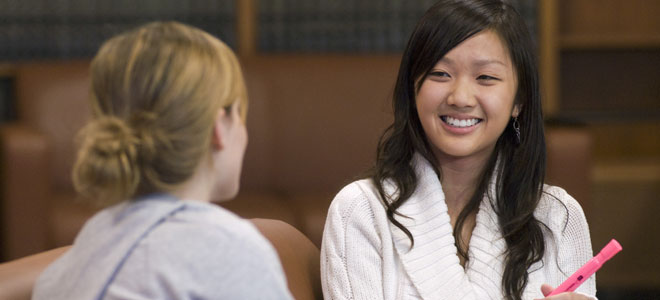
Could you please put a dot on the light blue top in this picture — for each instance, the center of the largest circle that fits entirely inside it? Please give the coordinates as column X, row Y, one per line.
column 162, row 248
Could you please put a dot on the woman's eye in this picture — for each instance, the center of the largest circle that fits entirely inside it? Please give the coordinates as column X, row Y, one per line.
column 439, row 74
column 487, row 77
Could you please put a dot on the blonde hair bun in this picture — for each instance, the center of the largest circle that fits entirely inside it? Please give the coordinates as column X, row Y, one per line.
column 109, row 154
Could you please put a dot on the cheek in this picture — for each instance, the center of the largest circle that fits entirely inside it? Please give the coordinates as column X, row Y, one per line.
column 428, row 99
column 426, row 111
column 242, row 138
column 498, row 111
column 245, row 138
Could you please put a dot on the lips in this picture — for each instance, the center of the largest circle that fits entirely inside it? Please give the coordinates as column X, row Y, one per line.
column 460, row 123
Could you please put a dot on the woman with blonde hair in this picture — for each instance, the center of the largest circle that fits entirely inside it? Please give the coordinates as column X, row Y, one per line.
column 167, row 137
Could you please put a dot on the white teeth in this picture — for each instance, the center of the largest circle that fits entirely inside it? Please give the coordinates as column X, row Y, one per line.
column 460, row 123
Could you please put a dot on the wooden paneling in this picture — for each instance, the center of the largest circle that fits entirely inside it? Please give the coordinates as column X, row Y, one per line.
column 628, row 170
column 627, row 211
column 617, row 24
column 620, row 141
column 609, row 17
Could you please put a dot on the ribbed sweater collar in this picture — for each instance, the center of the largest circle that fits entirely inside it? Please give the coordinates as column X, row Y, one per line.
column 432, row 264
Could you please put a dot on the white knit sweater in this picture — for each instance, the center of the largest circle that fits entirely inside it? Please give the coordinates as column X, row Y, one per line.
column 364, row 256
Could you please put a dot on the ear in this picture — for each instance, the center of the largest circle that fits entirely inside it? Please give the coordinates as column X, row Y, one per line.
column 217, row 140
column 516, row 110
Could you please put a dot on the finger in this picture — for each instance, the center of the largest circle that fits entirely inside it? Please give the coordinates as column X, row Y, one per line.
column 546, row 289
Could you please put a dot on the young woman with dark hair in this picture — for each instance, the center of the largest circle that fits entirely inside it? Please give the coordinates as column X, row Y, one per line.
column 456, row 206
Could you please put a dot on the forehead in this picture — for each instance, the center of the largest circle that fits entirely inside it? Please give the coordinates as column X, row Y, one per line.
column 482, row 49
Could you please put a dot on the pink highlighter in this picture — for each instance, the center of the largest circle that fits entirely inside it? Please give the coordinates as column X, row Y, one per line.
column 582, row 274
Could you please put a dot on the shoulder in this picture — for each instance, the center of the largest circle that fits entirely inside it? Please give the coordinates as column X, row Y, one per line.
column 213, row 228
column 555, row 198
column 357, row 200
column 208, row 251
column 356, row 215
column 560, row 211
column 206, row 239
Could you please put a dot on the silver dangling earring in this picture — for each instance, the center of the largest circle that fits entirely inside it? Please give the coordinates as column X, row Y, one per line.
column 516, row 128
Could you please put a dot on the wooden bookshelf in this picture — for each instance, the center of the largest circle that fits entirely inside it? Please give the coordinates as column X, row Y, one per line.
column 600, row 65
column 579, row 39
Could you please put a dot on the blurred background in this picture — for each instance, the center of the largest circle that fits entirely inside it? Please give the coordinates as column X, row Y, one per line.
column 600, row 73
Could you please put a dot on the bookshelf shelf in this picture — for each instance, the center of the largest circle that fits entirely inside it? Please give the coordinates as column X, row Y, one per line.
column 609, row 41
column 6, row 70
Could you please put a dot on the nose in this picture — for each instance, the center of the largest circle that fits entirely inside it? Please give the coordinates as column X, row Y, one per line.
column 461, row 94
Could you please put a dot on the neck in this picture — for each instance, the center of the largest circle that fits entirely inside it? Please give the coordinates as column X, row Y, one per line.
column 198, row 187
column 460, row 177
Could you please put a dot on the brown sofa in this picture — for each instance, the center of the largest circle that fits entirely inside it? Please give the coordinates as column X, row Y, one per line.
column 313, row 123
column 299, row 257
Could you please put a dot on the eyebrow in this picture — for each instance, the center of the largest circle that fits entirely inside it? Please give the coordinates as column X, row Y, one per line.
column 483, row 62
column 478, row 62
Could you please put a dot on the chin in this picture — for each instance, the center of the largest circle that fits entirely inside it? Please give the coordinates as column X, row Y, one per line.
column 457, row 152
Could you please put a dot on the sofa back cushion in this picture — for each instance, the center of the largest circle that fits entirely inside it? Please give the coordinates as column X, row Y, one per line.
column 52, row 98
column 314, row 120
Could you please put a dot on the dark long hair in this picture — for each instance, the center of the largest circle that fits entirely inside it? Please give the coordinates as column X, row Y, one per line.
column 517, row 168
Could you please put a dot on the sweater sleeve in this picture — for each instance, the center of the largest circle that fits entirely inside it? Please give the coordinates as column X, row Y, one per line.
column 574, row 241
column 351, row 261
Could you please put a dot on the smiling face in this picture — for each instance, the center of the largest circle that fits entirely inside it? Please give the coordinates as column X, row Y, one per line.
column 467, row 100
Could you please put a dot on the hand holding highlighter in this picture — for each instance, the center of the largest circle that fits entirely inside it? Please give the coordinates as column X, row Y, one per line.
column 588, row 269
